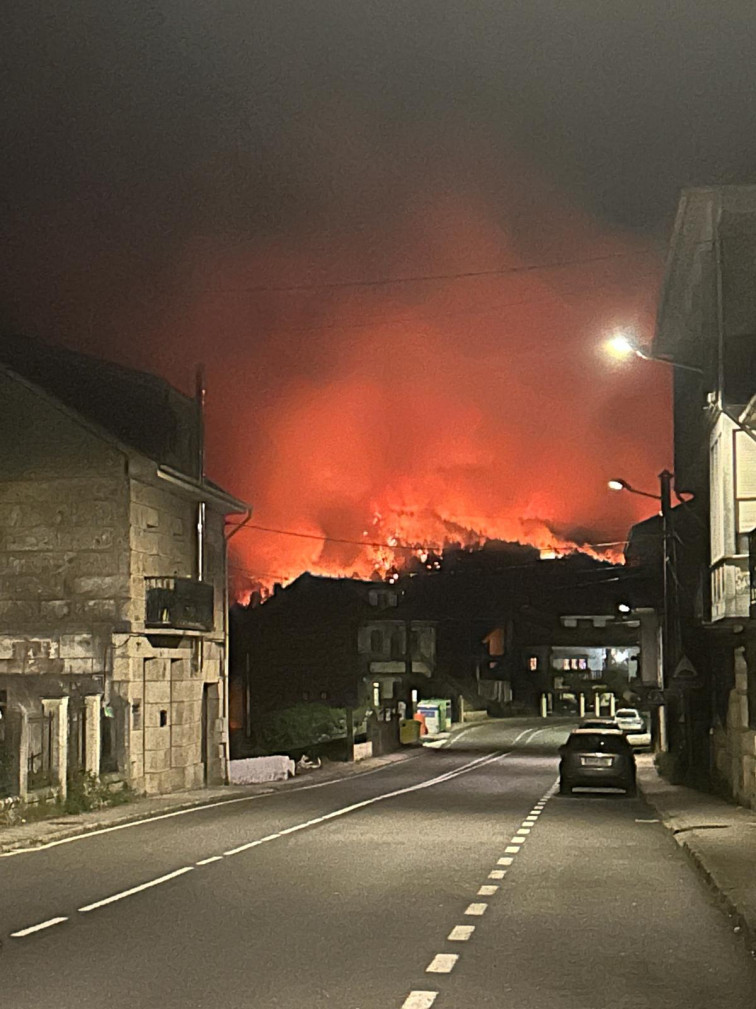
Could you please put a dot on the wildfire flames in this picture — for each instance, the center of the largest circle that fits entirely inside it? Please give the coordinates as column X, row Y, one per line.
column 373, row 418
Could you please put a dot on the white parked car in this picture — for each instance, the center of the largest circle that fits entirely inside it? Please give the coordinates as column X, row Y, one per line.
column 633, row 724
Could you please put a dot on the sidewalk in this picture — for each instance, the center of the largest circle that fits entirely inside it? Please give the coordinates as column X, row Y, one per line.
column 41, row 832
column 718, row 836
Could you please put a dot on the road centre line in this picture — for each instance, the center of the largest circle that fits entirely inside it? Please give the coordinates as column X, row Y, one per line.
column 448, row 776
column 487, row 890
column 442, row 963
column 476, row 909
column 523, row 831
column 461, row 933
column 136, row 889
column 37, row 928
column 420, row 1000
column 207, row 861
column 504, row 861
column 511, row 849
column 196, row 809
column 497, row 874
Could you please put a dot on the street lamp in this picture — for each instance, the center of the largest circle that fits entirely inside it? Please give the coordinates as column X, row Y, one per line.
column 622, row 345
column 668, row 576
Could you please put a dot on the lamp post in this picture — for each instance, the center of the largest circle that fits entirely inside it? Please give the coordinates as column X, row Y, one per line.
column 621, row 345
column 669, row 609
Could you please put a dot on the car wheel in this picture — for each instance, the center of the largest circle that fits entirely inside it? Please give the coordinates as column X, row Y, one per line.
column 631, row 791
column 564, row 787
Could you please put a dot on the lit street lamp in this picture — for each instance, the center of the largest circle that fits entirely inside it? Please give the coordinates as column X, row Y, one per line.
column 621, row 346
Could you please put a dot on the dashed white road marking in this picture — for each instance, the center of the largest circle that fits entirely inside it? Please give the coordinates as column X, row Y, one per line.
column 461, row 933
column 137, row 889
column 531, row 818
column 420, row 1000
column 497, row 874
column 476, row 909
column 511, row 849
column 487, row 890
column 442, row 963
column 524, row 830
column 37, row 928
column 504, row 861
column 207, row 861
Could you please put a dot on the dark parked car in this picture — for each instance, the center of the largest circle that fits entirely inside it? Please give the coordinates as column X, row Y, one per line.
column 596, row 758
column 599, row 723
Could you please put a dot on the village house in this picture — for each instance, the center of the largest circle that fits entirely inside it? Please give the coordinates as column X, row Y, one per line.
column 113, row 598
column 706, row 328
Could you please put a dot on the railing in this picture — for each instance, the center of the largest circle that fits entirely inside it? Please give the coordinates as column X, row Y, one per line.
column 179, row 604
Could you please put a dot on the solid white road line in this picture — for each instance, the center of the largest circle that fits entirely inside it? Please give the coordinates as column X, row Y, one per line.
column 420, row 1000
column 37, row 928
column 442, row 963
column 137, row 889
column 429, row 783
column 487, row 890
column 504, row 861
column 476, row 909
column 197, row 809
column 461, row 933
column 497, row 874
column 207, row 861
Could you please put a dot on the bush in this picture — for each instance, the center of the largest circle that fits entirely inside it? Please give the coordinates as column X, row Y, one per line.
column 86, row 792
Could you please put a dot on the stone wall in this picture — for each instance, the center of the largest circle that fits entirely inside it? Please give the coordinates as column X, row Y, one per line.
column 734, row 745
column 63, row 526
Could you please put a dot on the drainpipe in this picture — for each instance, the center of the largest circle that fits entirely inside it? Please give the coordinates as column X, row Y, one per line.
column 227, row 762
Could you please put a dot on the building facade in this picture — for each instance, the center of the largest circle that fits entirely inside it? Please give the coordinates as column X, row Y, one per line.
column 706, row 328
column 113, row 610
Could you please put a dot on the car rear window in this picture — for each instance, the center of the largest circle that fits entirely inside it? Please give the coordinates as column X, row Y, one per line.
column 597, row 742
column 626, row 713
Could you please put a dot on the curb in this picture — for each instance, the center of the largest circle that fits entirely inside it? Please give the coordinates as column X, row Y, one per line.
column 267, row 788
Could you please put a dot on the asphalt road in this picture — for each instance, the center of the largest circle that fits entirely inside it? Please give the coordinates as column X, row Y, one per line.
column 407, row 887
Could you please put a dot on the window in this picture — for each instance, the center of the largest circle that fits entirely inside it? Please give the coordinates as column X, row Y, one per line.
column 376, row 641
column 533, row 663
column 39, row 758
column 108, row 741
column 136, row 716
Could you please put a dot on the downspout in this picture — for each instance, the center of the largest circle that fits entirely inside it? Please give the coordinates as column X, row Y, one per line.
column 226, row 710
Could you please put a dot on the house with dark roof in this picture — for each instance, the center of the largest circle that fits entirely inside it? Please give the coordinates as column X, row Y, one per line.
column 339, row 642
column 113, row 588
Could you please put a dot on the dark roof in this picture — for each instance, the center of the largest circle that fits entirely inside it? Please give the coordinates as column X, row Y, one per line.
column 139, row 409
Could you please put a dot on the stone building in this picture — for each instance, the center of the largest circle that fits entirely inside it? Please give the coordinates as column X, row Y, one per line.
column 113, row 598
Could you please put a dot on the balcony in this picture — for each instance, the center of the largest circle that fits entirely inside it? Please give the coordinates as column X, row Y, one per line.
column 183, row 604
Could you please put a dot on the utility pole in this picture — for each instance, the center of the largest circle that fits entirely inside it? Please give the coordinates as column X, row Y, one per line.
column 669, row 590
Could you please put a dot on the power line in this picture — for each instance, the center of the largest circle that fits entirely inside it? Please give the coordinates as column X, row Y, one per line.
column 390, row 546
column 430, row 277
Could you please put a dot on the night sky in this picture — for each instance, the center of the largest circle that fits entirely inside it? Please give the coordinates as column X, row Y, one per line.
column 213, row 182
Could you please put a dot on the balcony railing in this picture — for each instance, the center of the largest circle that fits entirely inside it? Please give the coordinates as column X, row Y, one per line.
column 179, row 604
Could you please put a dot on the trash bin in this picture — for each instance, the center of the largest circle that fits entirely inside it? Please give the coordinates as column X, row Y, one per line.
column 409, row 731
column 437, row 714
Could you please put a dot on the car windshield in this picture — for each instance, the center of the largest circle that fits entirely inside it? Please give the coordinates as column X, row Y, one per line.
column 596, row 742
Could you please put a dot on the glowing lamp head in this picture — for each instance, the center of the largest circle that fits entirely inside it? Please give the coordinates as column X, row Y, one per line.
column 623, row 607
column 622, row 346
column 617, row 485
